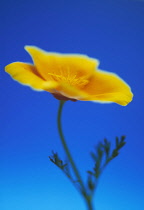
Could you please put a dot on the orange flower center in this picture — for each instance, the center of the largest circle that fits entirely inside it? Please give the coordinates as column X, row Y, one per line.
column 72, row 80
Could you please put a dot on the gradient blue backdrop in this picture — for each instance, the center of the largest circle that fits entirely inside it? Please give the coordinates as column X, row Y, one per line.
column 113, row 32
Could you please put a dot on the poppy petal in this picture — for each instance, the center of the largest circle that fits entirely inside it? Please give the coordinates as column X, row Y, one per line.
column 71, row 91
column 26, row 74
column 62, row 67
column 107, row 87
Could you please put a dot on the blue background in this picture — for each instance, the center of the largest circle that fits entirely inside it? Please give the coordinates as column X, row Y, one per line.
column 113, row 32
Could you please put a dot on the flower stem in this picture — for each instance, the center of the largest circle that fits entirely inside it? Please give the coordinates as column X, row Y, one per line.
column 66, row 147
column 89, row 204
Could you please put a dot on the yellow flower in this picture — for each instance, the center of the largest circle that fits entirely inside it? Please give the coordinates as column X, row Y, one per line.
column 70, row 77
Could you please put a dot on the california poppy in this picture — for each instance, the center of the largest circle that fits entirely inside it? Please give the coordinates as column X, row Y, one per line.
column 70, row 77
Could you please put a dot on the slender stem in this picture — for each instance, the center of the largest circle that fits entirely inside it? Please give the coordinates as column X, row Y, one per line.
column 66, row 147
column 89, row 204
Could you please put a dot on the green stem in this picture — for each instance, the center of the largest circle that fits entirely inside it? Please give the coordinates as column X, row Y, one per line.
column 75, row 170
column 89, row 204
column 66, row 147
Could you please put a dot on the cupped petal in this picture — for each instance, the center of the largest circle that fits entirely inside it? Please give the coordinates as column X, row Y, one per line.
column 71, row 91
column 62, row 67
column 26, row 74
column 107, row 87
